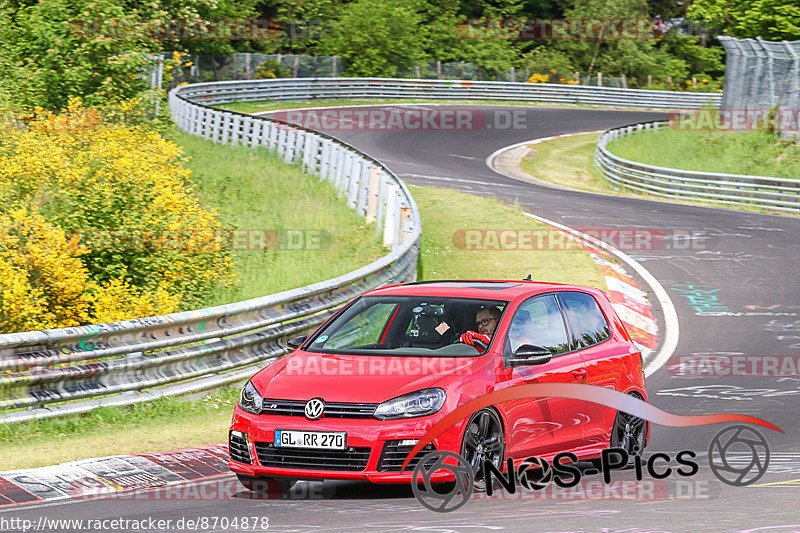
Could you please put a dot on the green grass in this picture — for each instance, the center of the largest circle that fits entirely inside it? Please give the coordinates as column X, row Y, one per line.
column 758, row 153
column 568, row 161
column 159, row 425
column 445, row 213
column 173, row 423
column 254, row 190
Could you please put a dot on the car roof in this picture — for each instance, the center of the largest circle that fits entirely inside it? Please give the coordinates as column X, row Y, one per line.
column 475, row 288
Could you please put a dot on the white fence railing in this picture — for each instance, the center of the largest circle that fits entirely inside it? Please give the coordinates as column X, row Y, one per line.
column 134, row 360
column 760, row 191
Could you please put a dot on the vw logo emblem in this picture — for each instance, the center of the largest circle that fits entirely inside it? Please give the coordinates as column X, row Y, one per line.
column 314, row 408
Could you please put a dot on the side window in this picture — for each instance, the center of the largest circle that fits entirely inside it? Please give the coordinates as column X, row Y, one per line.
column 586, row 321
column 537, row 321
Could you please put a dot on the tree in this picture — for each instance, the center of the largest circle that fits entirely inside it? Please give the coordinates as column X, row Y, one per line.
column 50, row 51
column 770, row 19
column 635, row 57
column 377, row 37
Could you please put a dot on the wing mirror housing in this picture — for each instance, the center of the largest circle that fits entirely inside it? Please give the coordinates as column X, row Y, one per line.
column 295, row 343
column 528, row 354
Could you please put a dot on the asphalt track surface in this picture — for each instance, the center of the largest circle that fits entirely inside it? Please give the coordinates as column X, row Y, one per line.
column 742, row 259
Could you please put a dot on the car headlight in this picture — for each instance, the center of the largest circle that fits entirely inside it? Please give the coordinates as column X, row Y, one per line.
column 250, row 400
column 420, row 403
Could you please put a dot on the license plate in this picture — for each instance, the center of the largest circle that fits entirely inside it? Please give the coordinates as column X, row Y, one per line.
column 327, row 440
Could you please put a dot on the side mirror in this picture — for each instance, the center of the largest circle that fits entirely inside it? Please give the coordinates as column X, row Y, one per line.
column 295, row 343
column 528, row 354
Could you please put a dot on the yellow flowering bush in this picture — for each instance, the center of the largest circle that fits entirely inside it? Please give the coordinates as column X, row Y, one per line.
column 43, row 282
column 118, row 300
column 120, row 192
column 539, row 78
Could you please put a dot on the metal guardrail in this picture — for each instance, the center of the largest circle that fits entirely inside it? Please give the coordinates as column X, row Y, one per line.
column 354, row 88
column 72, row 370
column 760, row 191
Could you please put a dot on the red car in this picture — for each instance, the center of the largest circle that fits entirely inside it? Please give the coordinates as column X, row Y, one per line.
column 354, row 397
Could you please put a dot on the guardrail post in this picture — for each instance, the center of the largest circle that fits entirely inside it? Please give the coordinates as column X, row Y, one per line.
column 218, row 121
column 325, row 160
column 226, row 128
column 373, row 193
column 256, row 132
column 246, row 125
column 346, row 171
column 309, row 146
column 283, row 133
column 392, row 216
column 363, row 188
column 299, row 142
column 383, row 186
column 274, row 135
column 353, row 179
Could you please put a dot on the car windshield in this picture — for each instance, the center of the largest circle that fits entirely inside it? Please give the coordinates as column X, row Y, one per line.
column 410, row 326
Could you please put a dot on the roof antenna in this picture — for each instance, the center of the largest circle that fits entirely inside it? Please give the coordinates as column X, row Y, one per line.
column 528, row 278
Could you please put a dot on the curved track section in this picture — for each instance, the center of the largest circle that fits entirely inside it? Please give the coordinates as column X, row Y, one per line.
column 737, row 294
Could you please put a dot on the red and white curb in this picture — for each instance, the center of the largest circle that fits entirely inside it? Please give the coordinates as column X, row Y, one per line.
column 104, row 476
column 630, row 302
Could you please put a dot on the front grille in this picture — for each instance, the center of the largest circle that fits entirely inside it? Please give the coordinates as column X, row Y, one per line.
column 393, row 455
column 332, row 410
column 239, row 450
column 353, row 458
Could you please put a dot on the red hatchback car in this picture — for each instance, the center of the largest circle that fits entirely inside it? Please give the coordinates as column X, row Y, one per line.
column 354, row 397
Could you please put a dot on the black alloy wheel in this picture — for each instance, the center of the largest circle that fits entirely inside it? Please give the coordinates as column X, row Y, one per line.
column 483, row 440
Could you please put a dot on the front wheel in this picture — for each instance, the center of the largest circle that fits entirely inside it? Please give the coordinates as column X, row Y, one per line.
column 271, row 486
column 483, row 440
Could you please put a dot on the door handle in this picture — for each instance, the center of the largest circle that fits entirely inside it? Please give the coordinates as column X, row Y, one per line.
column 579, row 374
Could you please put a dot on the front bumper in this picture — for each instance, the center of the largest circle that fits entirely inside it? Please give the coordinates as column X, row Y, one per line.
column 371, row 434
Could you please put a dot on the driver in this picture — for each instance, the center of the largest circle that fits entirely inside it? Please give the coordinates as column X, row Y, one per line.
column 486, row 320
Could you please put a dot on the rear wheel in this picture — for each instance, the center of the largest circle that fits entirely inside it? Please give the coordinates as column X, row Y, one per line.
column 629, row 433
column 483, row 440
column 271, row 486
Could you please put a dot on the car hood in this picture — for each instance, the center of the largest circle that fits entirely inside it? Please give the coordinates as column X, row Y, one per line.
column 356, row 378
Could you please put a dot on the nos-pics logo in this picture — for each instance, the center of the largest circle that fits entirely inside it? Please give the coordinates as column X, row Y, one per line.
column 738, row 456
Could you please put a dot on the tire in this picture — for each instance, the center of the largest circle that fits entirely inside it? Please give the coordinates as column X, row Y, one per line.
column 271, row 486
column 629, row 433
column 483, row 439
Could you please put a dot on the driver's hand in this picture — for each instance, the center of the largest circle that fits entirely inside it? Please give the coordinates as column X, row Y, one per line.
column 470, row 336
